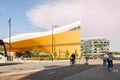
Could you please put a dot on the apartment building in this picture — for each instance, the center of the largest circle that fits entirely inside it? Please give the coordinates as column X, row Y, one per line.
column 97, row 45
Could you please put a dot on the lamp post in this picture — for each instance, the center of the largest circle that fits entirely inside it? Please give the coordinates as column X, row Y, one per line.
column 53, row 42
column 9, row 22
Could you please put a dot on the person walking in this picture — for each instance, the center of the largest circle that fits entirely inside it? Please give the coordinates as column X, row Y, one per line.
column 110, row 61
column 86, row 59
column 105, row 60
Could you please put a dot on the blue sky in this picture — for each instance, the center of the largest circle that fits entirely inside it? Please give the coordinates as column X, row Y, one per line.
column 99, row 18
column 16, row 9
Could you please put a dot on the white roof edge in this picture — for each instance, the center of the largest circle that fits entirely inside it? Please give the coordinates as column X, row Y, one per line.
column 26, row 36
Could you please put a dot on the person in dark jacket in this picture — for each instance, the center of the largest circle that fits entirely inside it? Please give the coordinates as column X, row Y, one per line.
column 72, row 58
column 86, row 59
column 110, row 61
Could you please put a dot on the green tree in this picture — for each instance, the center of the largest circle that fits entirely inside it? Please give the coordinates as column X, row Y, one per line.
column 76, row 53
column 27, row 54
column 18, row 54
column 55, row 54
column 116, row 53
column 36, row 51
column 67, row 54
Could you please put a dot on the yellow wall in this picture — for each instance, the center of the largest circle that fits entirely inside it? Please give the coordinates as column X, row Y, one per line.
column 62, row 41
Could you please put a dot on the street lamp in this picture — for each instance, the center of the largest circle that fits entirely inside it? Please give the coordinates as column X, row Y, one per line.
column 9, row 22
column 53, row 41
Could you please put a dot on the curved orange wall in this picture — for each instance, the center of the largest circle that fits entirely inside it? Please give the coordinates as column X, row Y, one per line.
column 62, row 41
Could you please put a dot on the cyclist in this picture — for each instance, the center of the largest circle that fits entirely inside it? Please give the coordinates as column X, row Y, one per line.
column 72, row 58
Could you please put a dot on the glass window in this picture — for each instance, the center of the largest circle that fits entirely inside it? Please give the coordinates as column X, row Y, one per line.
column 2, row 50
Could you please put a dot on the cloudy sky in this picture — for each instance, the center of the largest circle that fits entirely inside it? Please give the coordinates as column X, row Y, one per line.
column 99, row 18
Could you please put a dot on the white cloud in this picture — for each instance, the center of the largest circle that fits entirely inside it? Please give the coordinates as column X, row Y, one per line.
column 56, row 13
column 99, row 17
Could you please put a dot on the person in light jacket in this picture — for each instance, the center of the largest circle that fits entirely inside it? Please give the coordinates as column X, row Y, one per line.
column 105, row 60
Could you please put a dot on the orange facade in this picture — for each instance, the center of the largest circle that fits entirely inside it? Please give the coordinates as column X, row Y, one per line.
column 62, row 42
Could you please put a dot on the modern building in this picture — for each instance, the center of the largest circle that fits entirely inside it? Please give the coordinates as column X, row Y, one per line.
column 98, row 45
column 60, row 40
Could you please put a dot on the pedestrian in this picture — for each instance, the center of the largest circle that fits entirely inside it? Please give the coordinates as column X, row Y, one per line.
column 86, row 59
column 72, row 58
column 110, row 61
column 105, row 60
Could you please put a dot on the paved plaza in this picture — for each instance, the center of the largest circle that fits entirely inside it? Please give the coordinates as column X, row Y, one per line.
column 24, row 68
column 98, row 73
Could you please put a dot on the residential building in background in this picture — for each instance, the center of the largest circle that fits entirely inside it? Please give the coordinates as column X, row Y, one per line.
column 96, row 45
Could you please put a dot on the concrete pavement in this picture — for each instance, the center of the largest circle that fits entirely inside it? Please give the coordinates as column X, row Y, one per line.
column 96, row 73
column 10, row 68
column 22, row 66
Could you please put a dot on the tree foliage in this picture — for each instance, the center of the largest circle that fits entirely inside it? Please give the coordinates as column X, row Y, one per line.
column 76, row 53
column 67, row 54
column 116, row 53
column 55, row 54
column 36, row 51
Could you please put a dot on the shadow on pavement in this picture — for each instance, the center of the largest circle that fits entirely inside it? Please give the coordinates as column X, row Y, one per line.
column 8, row 64
column 57, row 73
column 53, row 66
